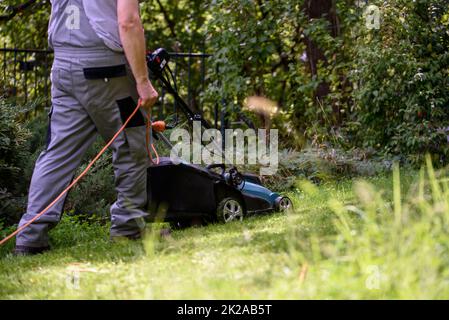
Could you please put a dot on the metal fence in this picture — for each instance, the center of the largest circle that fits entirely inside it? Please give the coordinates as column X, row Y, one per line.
column 25, row 76
column 189, row 70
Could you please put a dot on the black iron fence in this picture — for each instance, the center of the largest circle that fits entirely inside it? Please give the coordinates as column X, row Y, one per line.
column 25, row 76
column 189, row 71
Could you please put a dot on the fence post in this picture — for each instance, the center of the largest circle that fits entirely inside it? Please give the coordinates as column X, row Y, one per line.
column 4, row 67
column 15, row 70
column 25, row 77
column 189, row 78
column 46, row 76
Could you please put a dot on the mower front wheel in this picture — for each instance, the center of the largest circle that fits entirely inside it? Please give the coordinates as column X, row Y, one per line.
column 230, row 209
column 283, row 204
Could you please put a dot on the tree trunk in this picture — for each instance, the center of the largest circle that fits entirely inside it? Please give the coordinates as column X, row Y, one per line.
column 316, row 9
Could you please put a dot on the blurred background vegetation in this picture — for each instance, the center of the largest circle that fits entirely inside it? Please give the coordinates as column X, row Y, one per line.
column 349, row 99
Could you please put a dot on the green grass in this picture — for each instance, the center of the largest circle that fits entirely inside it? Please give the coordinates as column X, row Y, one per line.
column 346, row 239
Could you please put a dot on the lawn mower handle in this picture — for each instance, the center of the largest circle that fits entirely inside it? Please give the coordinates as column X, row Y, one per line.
column 217, row 165
column 157, row 62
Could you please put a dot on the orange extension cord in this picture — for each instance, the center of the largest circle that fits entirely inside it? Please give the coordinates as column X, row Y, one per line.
column 89, row 166
column 159, row 126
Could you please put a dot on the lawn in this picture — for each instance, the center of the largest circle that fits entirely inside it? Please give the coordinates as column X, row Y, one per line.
column 345, row 239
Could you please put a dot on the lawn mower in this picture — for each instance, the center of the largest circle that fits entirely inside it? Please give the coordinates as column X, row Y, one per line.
column 180, row 192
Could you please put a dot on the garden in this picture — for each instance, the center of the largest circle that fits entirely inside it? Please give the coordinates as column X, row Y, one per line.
column 358, row 95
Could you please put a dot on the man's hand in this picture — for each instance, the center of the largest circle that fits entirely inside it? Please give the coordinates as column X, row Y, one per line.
column 148, row 95
column 133, row 41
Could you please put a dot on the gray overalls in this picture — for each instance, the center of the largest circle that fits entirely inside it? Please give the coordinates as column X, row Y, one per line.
column 93, row 91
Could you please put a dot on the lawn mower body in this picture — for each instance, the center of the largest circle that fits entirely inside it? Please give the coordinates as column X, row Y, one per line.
column 180, row 192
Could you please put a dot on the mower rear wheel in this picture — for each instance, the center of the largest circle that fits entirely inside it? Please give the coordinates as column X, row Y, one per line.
column 230, row 209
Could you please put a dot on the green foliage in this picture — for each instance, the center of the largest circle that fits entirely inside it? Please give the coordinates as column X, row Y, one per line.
column 13, row 158
column 260, row 49
column 256, row 48
column 401, row 78
column 21, row 142
column 387, row 94
column 26, row 30
column 13, row 146
column 175, row 25
column 384, row 89
column 324, row 164
column 387, row 88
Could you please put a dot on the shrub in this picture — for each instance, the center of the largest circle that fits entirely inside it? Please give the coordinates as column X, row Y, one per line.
column 21, row 142
column 387, row 88
column 401, row 78
column 320, row 164
column 14, row 154
column 13, row 147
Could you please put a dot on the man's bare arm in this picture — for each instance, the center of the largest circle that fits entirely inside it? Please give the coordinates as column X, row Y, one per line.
column 133, row 41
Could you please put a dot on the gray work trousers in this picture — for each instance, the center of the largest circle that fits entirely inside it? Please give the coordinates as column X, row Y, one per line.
column 82, row 105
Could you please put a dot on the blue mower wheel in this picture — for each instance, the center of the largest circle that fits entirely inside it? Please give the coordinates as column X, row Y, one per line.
column 283, row 204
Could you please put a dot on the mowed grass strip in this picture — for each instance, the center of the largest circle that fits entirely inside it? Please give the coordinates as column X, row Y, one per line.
column 327, row 249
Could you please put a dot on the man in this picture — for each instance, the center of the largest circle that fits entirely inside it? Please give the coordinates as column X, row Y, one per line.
column 99, row 73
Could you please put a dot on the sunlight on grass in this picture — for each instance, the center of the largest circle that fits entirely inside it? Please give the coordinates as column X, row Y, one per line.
column 382, row 238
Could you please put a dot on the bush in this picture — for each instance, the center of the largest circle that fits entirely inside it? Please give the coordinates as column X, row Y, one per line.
column 14, row 154
column 21, row 142
column 386, row 88
column 322, row 164
column 13, row 147
column 401, row 76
